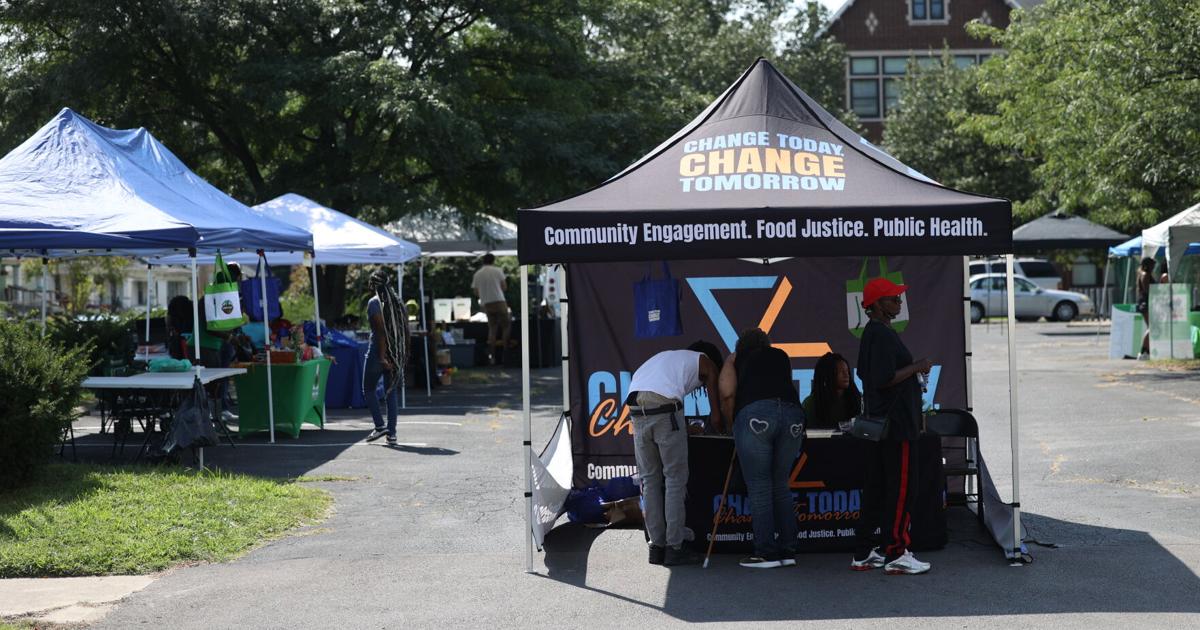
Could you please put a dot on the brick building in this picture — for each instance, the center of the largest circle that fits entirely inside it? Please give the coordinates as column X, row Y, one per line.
column 881, row 36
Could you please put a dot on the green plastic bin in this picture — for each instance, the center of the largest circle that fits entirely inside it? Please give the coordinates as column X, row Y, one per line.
column 299, row 396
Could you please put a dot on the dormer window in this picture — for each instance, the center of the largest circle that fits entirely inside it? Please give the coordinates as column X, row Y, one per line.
column 928, row 12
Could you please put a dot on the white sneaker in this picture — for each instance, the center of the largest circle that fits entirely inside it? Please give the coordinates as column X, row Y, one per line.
column 906, row 565
column 873, row 561
column 228, row 416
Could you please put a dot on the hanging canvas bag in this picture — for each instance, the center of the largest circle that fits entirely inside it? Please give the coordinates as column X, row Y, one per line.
column 252, row 291
column 856, row 317
column 656, row 306
column 222, row 303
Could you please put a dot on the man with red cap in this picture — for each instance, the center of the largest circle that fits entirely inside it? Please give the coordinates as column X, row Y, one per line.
column 890, row 388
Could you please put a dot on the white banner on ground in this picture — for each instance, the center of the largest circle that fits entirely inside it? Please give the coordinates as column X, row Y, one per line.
column 552, row 472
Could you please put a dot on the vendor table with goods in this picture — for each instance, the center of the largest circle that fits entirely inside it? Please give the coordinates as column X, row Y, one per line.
column 148, row 398
column 297, row 391
column 826, row 481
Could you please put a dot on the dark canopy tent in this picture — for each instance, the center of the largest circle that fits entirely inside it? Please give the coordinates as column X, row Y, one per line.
column 1059, row 230
column 762, row 172
column 763, row 152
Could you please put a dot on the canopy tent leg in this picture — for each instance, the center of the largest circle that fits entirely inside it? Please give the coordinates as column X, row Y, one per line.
column 970, row 482
column 1012, row 408
column 425, row 327
column 149, row 303
column 196, row 326
column 527, row 416
column 400, row 297
column 320, row 333
column 195, row 309
column 45, row 264
column 1104, row 297
column 262, row 276
column 564, row 343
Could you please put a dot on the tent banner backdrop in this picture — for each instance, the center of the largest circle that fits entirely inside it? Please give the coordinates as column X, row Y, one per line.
column 802, row 303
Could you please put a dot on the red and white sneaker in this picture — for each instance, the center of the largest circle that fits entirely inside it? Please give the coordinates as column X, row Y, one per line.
column 872, row 561
column 906, row 565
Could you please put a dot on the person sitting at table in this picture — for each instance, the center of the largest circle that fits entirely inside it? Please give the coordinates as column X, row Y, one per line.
column 768, row 428
column 835, row 398
column 387, row 354
column 179, row 323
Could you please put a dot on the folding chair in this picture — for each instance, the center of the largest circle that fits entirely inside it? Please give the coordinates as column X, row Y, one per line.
column 961, row 424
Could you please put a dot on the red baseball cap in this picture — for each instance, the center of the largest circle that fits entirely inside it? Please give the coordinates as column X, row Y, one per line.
column 881, row 287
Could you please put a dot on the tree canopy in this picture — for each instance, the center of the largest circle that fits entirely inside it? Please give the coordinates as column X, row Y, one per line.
column 1103, row 93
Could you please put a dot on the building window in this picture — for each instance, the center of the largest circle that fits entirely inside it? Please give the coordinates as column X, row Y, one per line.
column 175, row 288
column 139, row 287
column 928, row 12
column 874, row 81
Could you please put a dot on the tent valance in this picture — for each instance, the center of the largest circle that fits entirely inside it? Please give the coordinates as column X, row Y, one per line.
column 764, row 171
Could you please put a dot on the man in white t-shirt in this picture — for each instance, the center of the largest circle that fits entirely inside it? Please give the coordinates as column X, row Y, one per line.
column 660, row 440
column 489, row 284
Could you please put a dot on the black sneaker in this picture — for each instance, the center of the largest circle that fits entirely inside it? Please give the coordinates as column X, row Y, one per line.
column 758, row 562
column 376, row 434
column 391, row 440
column 676, row 556
column 657, row 554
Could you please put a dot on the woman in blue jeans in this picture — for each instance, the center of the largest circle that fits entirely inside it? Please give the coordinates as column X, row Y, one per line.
column 387, row 353
column 768, row 429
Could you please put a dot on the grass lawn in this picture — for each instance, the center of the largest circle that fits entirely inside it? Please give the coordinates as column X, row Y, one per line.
column 80, row 519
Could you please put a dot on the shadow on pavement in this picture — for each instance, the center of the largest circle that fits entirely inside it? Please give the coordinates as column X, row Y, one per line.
column 1094, row 570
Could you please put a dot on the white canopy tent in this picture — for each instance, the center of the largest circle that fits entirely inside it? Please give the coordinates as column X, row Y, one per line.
column 338, row 239
column 1174, row 235
column 445, row 232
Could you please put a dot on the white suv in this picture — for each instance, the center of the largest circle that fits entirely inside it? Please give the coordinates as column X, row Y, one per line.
column 1039, row 271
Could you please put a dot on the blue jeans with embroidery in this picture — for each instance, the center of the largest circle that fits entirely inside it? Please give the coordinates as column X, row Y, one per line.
column 768, row 435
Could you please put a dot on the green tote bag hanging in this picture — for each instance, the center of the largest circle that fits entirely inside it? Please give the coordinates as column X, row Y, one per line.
column 222, row 306
column 855, row 317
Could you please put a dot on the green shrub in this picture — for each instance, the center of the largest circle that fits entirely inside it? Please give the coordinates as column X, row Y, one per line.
column 110, row 339
column 39, row 390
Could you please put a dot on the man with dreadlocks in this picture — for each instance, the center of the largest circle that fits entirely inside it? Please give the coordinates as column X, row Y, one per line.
column 387, row 354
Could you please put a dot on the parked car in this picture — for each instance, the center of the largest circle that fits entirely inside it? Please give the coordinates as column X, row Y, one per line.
column 989, row 297
column 1039, row 271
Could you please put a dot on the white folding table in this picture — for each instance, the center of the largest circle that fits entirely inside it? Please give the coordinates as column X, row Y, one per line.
column 162, row 381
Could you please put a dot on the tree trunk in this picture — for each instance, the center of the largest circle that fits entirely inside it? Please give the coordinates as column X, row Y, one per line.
column 331, row 289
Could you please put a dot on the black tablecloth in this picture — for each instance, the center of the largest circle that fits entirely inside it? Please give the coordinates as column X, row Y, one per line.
column 827, row 484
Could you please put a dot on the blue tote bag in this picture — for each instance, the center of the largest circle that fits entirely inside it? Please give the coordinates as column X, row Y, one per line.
column 656, row 306
column 251, row 290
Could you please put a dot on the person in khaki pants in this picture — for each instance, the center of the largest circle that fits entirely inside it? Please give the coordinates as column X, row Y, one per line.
column 489, row 284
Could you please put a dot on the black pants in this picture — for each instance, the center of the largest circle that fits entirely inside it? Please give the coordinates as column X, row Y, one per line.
column 889, row 492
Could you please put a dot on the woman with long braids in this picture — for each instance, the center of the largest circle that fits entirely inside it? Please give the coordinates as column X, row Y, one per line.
column 387, row 354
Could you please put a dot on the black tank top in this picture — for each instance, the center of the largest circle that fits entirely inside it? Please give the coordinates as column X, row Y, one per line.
column 763, row 374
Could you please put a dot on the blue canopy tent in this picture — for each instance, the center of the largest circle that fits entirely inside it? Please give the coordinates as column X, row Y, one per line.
column 76, row 188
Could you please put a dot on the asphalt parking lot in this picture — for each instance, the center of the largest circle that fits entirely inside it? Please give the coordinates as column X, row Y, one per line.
column 429, row 534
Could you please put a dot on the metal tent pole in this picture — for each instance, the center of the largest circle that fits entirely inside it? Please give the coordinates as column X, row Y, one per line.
column 564, row 341
column 400, row 298
column 45, row 264
column 320, row 335
column 1012, row 409
column 196, row 326
column 1104, row 298
column 266, row 315
column 526, row 413
column 195, row 309
column 149, row 303
column 969, row 480
column 425, row 327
